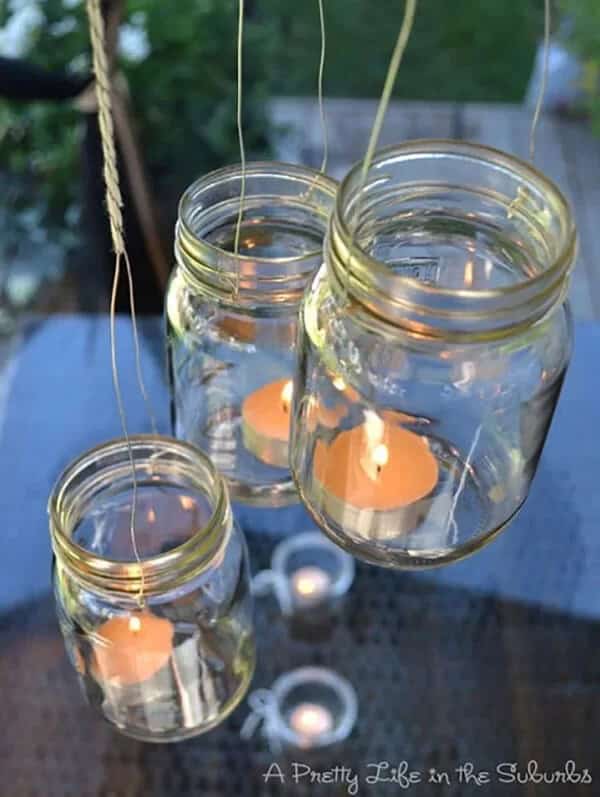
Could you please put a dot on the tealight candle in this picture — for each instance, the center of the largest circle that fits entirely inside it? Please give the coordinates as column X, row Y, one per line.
column 308, row 709
column 266, row 422
column 310, row 585
column 131, row 649
column 373, row 478
column 309, row 576
column 309, row 721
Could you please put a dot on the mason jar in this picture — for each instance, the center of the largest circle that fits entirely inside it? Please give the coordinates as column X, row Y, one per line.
column 433, row 345
column 232, row 318
column 158, row 622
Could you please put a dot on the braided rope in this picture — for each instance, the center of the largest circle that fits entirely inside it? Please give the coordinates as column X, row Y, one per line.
column 114, row 203
column 114, row 199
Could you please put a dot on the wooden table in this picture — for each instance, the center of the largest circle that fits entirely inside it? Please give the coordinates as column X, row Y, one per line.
column 491, row 661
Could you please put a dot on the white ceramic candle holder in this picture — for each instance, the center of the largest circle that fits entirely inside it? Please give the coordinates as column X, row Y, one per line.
column 307, row 572
column 308, row 709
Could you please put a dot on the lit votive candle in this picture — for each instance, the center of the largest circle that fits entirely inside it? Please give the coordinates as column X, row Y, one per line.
column 266, row 422
column 310, row 721
column 131, row 649
column 310, row 586
column 376, row 478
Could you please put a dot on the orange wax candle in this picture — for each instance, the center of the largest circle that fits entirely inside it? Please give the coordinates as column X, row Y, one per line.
column 130, row 649
column 238, row 328
column 266, row 422
column 373, row 479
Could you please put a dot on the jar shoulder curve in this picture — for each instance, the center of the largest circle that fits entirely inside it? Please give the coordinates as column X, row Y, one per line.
column 186, row 311
column 326, row 316
column 379, row 361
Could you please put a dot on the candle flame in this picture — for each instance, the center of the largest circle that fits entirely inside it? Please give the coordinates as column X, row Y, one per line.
column 311, row 720
column 376, row 454
column 469, row 275
column 135, row 624
column 186, row 502
column 339, row 383
column 380, row 455
column 305, row 585
column 310, row 582
column 151, row 516
column 286, row 394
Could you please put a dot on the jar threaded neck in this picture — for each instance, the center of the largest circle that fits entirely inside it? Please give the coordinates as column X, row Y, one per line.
column 426, row 204
column 286, row 210
column 105, row 470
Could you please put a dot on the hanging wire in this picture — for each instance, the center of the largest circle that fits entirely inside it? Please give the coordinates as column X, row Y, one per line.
column 384, row 101
column 544, row 81
column 321, row 104
column 240, row 48
column 324, row 131
column 114, row 203
column 392, row 73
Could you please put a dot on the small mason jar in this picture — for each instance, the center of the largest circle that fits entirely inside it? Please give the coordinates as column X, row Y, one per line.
column 433, row 345
column 158, row 625
column 232, row 318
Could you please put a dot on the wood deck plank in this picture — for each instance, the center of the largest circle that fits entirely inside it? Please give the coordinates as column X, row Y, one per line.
column 567, row 152
column 582, row 156
column 507, row 128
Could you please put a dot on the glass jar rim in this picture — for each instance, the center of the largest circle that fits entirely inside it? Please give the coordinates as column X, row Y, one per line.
column 355, row 270
column 153, row 574
column 206, row 264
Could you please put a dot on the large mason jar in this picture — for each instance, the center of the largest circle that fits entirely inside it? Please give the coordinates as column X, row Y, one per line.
column 232, row 317
column 158, row 622
column 433, row 345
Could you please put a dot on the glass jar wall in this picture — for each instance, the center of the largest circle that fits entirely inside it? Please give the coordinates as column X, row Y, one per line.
column 232, row 318
column 163, row 647
column 434, row 342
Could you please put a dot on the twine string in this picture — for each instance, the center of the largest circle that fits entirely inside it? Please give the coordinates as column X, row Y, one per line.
column 114, row 199
column 114, row 204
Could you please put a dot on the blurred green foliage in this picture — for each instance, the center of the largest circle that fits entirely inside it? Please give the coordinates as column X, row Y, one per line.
column 583, row 38
column 180, row 65
column 478, row 50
